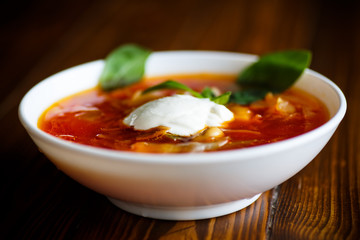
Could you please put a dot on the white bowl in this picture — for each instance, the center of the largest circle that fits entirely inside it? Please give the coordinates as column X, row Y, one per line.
column 179, row 186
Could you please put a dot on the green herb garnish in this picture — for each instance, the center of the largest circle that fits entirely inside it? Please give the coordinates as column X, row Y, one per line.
column 273, row 72
column 171, row 84
column 123, row 66
column 244, row 97
column 206, row 93
column 222, row 99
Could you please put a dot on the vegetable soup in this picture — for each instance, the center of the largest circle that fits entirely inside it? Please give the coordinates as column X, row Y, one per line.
column 96, row 117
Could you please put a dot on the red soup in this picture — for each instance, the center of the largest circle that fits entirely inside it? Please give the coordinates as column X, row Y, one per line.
column 94, row 117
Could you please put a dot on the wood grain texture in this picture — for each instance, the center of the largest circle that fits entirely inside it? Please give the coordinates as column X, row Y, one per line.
column 40, row 38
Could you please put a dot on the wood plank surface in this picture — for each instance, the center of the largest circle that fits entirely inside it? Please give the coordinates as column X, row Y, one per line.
column 40, row 38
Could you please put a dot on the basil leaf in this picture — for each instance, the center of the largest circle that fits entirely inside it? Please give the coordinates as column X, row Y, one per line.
column 170, row 84
column 123, row 66
column 248, row 96
column 275, row 72
column 222, row 99
column 207, row 93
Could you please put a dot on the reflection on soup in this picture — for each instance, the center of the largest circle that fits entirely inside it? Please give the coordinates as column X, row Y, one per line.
column 94, row 117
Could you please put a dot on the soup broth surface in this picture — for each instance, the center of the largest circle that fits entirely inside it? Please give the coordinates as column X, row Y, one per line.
column 94, row 117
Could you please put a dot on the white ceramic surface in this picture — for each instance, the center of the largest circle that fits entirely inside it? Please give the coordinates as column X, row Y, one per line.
column 179, row 186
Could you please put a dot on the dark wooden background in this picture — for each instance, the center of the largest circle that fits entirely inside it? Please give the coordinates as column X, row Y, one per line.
column 40, row 37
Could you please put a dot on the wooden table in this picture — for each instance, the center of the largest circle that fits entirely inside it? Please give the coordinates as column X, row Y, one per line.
column 40, row 38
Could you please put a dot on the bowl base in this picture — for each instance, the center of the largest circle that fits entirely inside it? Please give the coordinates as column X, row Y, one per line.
column 184, row 213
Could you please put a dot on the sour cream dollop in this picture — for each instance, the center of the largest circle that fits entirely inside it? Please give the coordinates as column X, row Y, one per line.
column 184, row 115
